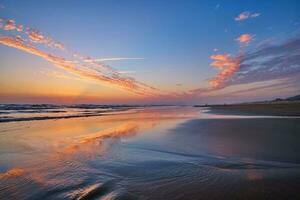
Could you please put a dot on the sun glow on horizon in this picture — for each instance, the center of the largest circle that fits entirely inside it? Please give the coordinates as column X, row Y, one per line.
column 37, row 67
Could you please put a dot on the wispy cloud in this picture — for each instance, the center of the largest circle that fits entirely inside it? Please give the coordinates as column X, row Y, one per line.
column 19, row 28
column 127, row 72
column 278, row 84
column 89, row 73
column 33, row 35
column 273, row 61
column 278, row 63
column 82, row 66
column 9, row 25
column 245, row 38
column 246, row 15
column 110, row 59
column 269, row 62
column 227, row 65
column 38, row 37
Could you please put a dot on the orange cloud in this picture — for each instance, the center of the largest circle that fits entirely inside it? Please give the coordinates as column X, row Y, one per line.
column 83, row 66
column 114, row 79
column 246, row 15
column 227, row 65
column 244, row 38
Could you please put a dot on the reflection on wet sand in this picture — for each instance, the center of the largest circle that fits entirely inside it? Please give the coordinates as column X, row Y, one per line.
column 54, row 147
column 123, row 130
column 151, row 153
column 14, row 172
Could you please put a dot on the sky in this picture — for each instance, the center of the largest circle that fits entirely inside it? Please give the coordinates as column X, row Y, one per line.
column 148, row 52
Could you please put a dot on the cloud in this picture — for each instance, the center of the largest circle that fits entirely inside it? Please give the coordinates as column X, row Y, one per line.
column 273, row 61
column 33, row 35
column 9, row 25
column 263, row 86
column 227, row 65
column 37, row 37
column 113, row 79
column 244, row 38
column 19, row 28
column 110, row 59
column 82, row 66
column 127, row 72
column 246, row 15
column 269, row 62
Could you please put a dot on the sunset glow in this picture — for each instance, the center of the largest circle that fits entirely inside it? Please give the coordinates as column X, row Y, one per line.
column 149, row 99
column 45, row 63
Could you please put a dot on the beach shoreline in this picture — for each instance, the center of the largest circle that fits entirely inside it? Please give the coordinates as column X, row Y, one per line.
column 153, row 153
column 291, row 109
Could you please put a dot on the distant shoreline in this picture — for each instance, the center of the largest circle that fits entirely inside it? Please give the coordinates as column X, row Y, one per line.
column 267, row 108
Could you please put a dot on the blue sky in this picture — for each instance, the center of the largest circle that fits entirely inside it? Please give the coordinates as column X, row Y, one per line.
column 174, row 38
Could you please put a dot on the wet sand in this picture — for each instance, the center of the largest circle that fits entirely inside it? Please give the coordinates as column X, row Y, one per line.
column 266, row 109
column 151, row 153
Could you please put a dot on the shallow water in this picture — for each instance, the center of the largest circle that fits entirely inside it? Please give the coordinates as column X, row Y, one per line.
column 151, row 153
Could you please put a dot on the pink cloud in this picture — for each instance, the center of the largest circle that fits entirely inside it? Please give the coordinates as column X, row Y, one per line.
column 244, row 38
column 93, row 69
column 38, row 37
column 227, row 65
column 9, row 25
column 246, row 15
column 19, row 28
column 35, row 36
column 90, row 60
column 114, row 79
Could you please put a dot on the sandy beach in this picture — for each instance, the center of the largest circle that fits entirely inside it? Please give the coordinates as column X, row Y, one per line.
column 151, row 153
column 265, row 109
column 149, row 100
